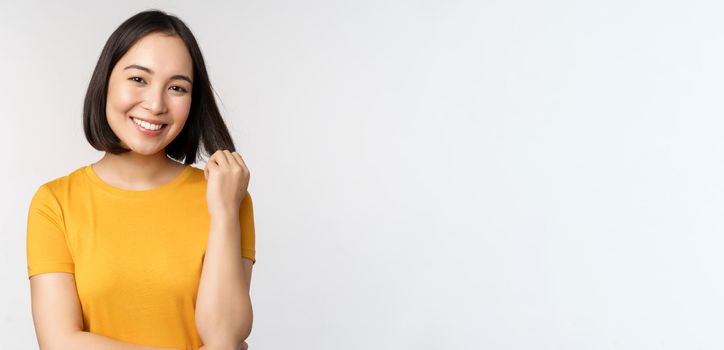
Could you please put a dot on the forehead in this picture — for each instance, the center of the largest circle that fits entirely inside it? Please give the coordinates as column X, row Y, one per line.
column 163, row 54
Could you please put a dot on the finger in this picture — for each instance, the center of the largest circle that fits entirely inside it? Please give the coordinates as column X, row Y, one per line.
column 220, row 159
column 211, row 167
column 211, row 163
column 237, row 156
column 231, row 162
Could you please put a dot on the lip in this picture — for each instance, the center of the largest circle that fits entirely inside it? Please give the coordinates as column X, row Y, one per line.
column 148, row 132
column 146, row 120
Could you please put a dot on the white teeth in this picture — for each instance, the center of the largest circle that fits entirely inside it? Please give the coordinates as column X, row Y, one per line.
column 146, row 125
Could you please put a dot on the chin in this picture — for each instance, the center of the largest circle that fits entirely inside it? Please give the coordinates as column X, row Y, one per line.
column 146, row 151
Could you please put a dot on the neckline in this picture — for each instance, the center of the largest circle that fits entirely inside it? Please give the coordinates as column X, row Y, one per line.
column 138, row 194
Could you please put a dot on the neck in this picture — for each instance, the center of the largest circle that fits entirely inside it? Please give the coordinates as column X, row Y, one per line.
column 132, row 167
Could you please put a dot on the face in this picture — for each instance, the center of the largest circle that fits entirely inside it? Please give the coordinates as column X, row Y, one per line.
column 150, row 82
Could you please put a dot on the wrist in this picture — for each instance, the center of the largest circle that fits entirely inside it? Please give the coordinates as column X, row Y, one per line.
column 225, row 223
column 225, row 216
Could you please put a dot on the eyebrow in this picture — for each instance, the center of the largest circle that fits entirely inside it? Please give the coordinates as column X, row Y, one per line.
column 175, row 77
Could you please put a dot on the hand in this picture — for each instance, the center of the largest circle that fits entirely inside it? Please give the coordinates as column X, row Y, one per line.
column 227, row 179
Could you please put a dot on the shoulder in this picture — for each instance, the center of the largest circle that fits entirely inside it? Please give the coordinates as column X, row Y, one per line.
column 196, row 172
column 59, row 187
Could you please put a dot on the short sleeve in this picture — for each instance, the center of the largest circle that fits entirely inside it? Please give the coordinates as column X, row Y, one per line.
column 246, row 222
column 46, row 245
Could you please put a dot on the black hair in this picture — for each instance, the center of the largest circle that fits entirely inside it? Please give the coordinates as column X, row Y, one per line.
column 204, row 127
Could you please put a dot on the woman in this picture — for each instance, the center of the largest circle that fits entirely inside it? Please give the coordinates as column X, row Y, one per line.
column 139, row 250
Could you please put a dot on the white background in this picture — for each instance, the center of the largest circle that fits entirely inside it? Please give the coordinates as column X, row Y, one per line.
column 428, row 174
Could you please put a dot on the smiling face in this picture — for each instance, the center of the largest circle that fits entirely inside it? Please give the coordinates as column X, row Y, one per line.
column 150, row 83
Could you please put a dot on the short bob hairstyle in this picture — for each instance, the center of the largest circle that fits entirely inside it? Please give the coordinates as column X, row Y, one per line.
column 204, row 126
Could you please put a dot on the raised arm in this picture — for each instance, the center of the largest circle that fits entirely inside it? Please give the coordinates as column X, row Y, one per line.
column 58, row 318
column 223, row 306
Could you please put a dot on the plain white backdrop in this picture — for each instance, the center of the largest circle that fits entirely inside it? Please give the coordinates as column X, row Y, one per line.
column 428, row 174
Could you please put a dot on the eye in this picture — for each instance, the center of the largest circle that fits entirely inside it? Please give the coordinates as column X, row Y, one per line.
column 180, row 88
column 132, row 78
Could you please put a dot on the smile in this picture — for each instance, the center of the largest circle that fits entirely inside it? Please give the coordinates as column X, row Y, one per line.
column 147, row 128
column 146, row 125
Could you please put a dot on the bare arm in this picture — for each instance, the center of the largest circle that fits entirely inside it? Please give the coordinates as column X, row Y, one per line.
column 223, row 305
column 58, row 318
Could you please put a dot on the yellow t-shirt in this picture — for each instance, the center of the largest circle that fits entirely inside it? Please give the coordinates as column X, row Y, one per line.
column 136, row 255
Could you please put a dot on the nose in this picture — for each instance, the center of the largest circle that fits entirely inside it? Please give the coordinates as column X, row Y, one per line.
column 154, row 101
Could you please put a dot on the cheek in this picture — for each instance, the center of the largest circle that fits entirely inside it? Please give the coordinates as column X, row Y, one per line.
column 180, row 108
column 122, row 99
